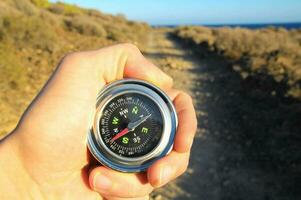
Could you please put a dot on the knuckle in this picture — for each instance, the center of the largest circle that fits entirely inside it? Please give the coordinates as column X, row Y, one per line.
column 189, row 100
column 187, row 97
column 74, row 58
column 130, row 47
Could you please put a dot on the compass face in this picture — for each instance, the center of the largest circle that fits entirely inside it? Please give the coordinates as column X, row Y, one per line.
column 131, row 125
column 134, row 125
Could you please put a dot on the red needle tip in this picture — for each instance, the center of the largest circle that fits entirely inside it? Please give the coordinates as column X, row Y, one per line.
column 120, row 134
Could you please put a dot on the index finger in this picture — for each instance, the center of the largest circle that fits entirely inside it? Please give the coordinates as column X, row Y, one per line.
column 187, row 122
column 137, row 66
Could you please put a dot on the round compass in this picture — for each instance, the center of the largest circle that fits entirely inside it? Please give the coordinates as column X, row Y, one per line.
column 134, row 125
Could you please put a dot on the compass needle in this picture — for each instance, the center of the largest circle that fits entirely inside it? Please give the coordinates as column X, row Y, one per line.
column 120, row 134
column 133, row 125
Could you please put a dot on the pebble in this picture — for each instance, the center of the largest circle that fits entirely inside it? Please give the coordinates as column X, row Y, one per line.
column 39, row 51
column 273, row 93
column 189, row 171
column 244, row 75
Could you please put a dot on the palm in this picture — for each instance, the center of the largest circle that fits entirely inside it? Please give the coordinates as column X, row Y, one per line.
column 52, row 132
column 63, row 148
column 57, row 146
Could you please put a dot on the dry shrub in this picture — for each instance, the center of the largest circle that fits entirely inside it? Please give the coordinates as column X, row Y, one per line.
column 24, row 6
column 41, row 3
column 29, row 32
column 204, row 35
column 275, row 51
column 7, row 10
column 65, row 9
column 84, row 25
column 34, row 37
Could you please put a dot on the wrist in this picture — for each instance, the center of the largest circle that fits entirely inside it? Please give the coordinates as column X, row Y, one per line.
column 15, row 183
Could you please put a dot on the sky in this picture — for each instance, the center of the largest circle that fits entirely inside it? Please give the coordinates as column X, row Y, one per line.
column 179, row 12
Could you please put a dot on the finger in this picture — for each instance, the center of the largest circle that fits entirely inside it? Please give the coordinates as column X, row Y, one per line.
column 124, row 185
column 187, row 122
column 118, row 198
column 137, row 66
column 83, row 74
column 172, row 93
column 126, row 60
column 167, row 168
column 74, row 85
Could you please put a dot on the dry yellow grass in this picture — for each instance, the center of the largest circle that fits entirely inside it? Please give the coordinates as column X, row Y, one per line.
column 35, row 35
column 272, row 51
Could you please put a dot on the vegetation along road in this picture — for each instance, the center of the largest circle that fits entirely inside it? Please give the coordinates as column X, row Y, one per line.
column 246, row 143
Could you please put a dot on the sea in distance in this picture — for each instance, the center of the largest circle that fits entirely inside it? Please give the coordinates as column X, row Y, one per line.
column 292, row 25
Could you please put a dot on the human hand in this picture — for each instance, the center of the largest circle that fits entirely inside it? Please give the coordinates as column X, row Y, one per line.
column 46, row 155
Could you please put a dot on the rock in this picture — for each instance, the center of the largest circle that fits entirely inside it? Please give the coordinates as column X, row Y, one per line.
column 244, row 75
column 273, row 93
column 236, row 68
column 39, row 51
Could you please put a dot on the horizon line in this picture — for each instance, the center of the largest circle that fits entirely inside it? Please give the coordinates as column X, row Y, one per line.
column 225, row 24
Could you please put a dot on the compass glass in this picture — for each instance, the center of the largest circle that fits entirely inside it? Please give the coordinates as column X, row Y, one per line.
column 131, row 125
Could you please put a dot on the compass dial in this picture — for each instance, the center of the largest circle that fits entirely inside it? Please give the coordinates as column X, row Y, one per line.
column 131, row 125
column 134, row 125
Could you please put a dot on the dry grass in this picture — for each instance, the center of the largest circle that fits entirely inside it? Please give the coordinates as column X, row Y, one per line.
column 35, row 35
column 272, row 51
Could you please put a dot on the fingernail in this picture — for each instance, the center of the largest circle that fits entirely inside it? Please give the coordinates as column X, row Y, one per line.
column 101, row 182
column 166, row 175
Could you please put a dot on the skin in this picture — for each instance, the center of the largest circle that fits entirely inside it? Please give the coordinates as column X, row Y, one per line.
column 46, row 157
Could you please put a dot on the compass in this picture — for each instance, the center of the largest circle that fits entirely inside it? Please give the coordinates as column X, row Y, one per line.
column 134, row 125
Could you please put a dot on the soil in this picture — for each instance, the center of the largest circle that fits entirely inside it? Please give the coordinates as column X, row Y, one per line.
column 248, row 141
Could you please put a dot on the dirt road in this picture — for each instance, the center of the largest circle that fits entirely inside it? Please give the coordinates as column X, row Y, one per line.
column 180, row 64
column 242, row 150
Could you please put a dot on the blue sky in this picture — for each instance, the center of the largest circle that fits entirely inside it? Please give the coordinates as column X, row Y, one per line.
column 164, row 12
